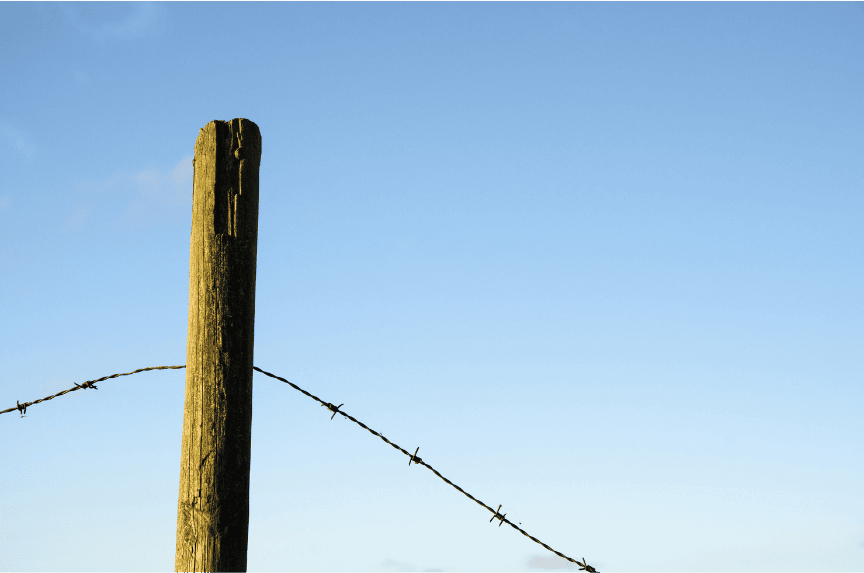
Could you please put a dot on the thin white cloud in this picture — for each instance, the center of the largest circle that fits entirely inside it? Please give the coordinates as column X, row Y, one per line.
column 552, row 563
column 161, row 193
column 76, row 219
column 180, row 181
column 101, row 22
column 141, row 198
column 89, row 195
column 18, row 141
column 165, row 189
column 393, row 565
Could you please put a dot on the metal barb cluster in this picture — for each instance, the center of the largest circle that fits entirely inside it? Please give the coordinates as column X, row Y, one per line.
column 415, row 458
column 335, row 409
column 331, row 407
column 498, row 515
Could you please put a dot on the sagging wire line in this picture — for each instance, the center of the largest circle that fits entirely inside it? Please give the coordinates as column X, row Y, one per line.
column 22, row 408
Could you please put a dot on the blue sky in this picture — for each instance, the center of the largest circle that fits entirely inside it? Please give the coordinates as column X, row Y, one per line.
column 602, row 263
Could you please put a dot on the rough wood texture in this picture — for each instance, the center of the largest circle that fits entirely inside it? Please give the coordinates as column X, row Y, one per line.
column 213, row 505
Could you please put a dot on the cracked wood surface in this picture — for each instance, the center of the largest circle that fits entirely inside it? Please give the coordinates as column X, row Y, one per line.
column 213, row 503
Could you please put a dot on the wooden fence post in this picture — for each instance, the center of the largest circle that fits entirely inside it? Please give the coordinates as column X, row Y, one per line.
column 213, row 505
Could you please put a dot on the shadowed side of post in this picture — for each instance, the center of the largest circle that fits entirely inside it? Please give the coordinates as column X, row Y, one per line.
column 213, row 505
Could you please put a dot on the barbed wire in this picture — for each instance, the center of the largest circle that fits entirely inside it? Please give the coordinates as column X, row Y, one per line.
column 89, row 384
column 22, row 408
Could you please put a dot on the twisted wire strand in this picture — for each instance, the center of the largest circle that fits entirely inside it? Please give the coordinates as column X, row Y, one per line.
column 335, row 409
column 417, row 460
column 88, row 384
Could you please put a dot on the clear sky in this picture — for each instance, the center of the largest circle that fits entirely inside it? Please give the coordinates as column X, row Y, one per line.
column 602, row 263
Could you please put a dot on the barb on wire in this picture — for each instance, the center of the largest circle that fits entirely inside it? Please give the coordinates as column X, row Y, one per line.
column 331, row 407
column 22, row 408
column 419, row 461
column 415, row 457
column 498, row 515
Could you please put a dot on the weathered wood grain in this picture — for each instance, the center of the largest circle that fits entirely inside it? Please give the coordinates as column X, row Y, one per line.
column 213, row 505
